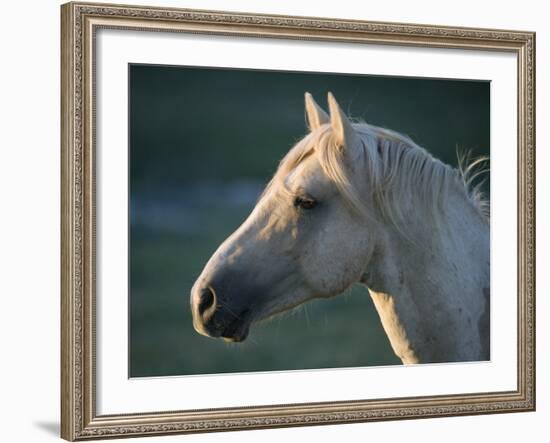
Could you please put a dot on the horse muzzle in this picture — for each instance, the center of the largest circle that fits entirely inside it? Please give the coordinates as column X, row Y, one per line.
column 213, row 318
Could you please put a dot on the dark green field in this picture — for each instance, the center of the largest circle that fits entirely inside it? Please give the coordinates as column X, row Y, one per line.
column 203, row 143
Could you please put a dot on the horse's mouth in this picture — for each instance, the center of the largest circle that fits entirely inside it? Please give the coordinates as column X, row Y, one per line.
column 236, row 331
column 225, row 324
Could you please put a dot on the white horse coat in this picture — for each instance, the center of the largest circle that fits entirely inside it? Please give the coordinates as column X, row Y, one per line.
column 354, row 203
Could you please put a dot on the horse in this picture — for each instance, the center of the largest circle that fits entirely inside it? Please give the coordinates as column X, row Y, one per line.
column 353, row 203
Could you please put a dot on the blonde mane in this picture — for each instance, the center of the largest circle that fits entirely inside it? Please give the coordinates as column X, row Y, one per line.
column 399, row 172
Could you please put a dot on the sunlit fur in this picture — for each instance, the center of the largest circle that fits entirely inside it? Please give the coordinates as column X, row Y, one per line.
column 400, row 172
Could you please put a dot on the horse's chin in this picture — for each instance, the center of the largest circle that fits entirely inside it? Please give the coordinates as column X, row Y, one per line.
column 236, row 333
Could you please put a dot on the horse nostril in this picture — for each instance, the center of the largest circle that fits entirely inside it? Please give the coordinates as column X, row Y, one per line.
column 207, row 300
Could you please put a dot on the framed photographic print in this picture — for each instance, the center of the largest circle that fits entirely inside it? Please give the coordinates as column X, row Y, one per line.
column 281, row 221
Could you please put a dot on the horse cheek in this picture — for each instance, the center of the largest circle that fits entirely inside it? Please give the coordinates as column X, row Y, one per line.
column 329, row 265
column 351, row 251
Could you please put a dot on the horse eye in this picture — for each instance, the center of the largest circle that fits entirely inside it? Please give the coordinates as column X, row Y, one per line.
column 305, row 202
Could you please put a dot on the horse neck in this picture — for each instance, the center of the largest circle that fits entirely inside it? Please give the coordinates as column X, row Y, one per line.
column 432, row 295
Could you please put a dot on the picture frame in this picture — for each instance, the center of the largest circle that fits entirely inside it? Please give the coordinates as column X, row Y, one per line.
column 80, row 24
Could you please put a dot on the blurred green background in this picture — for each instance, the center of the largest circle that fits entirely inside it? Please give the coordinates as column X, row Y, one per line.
column 203, row 143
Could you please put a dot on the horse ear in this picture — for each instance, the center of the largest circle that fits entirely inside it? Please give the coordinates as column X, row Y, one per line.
column 346, row 135
column 315, row 115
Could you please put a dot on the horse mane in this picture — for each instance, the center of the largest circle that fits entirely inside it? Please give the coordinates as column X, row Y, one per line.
column 399, row 171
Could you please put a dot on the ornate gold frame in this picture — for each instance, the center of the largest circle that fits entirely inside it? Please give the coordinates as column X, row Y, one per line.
column 79, row 22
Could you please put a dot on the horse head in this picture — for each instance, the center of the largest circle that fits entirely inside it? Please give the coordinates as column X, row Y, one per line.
column 305, row 238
